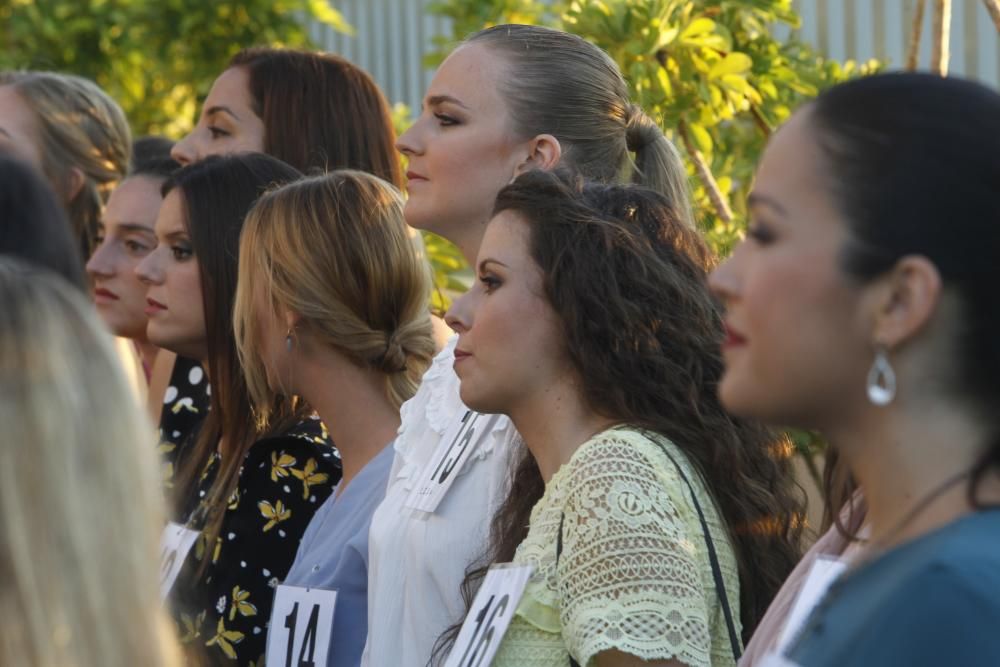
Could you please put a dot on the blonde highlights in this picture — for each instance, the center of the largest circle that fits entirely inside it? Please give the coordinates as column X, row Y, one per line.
column 80, row 503
column 78, row 126
column 335, row 250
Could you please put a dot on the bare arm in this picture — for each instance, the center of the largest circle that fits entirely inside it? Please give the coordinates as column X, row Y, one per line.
column 615, row 658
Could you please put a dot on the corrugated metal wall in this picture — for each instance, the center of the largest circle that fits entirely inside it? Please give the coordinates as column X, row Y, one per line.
column 393, row 35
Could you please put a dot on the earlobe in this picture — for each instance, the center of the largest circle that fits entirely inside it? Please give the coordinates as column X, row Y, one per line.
column 544, row 152
column 292, row 319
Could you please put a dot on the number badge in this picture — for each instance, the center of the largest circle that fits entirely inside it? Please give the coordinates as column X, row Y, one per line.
column 175, row 544
column 491, row 613
column 458, row 443
column 301, row 626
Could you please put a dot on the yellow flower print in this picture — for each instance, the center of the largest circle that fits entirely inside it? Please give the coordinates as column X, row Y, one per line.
column 280, row 463
column 309, row 477
column 218, row 550
column 234, row 500
column 225, row 639
column 275, row 513
column 184, row 404
column 192, row 628
column 165, row 447
column 240, row 604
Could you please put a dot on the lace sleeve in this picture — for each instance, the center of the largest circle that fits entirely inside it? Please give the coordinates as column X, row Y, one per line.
column 630, row 572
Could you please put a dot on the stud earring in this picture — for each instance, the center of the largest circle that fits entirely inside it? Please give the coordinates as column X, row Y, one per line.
column 881, row 384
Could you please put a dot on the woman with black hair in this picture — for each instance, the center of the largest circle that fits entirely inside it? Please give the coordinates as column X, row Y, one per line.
column 862, row 305
column 248, row 492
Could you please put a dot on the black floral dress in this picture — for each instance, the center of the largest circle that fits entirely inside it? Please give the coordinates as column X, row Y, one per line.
column 185, row 405
column 222, row 616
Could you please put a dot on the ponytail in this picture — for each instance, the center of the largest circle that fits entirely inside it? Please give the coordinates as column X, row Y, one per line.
column 658, row 164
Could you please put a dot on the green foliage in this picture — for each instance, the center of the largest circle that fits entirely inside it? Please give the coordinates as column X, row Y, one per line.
column 710, row 71
column 157, row 58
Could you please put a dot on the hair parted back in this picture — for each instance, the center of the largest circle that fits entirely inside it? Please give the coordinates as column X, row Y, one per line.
column 79, row 126
column 335, row 249
column 80, row 503
column 321, row 112
column 913, row 163
column 33, row 226
column 560, row 84
column 628, row 280
column 217, row 193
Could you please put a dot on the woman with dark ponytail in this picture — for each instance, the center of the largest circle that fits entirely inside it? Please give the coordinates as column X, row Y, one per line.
column 862, row 305
column 654, row 521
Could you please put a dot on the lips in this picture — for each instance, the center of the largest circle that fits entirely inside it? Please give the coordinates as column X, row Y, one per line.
column 153, row 307
column 414, row 177
column 103, row 295
column 733, row 338
column 461, row 356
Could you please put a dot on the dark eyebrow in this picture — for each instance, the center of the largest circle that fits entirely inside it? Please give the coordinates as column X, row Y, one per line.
column 133, row 227
column 219, row 108
column 177, row 235
column 489, row 260
column 434, row 100
column 757, row 199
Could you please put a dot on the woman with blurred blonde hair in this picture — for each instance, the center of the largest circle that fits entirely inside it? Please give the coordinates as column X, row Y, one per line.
column 331, row 306
column 73, row 133
column 80, row 507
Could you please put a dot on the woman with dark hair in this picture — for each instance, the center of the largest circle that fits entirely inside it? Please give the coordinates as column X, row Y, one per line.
column 249, row 492
column 861, row 305
column 312, row 110
column 33, row 225
column 637, row 499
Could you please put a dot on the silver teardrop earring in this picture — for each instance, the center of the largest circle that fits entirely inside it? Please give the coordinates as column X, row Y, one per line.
column 288, row 341
column 881, row 382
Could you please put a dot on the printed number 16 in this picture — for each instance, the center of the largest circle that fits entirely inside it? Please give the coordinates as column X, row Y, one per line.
column 487, row 636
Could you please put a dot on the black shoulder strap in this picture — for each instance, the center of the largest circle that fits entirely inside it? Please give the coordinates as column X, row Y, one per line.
column 713, row 558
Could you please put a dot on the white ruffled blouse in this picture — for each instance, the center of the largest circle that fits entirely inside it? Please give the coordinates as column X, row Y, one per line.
column 417, row 560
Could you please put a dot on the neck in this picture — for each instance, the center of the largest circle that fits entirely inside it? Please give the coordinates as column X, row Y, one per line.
column 352, row 403
column 147, row 353
column 554, row 423
column 910, row 465
column 468, row 239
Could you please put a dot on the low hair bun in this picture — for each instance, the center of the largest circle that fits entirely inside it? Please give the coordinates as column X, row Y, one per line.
column 640, row 130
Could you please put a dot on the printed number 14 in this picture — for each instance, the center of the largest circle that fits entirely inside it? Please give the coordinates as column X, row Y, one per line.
column 308, row 640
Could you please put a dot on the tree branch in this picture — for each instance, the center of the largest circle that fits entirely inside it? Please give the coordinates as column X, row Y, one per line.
column 705, row 174
column 940, row 47
column 913, row 53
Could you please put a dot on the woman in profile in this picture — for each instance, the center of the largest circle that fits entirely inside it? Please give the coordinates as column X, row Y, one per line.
column 332, row 307
column 80, row 508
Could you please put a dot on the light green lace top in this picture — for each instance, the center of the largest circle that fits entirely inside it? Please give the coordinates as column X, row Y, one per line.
column 634, row 573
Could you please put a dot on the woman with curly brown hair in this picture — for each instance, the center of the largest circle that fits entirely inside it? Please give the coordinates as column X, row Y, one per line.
column 658, row 526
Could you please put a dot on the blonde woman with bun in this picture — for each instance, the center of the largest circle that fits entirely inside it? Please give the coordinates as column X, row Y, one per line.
column 72, row 132
column 80, row 506
column 331, row 306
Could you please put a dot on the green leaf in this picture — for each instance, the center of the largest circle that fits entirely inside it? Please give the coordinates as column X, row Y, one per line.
column 733, row 63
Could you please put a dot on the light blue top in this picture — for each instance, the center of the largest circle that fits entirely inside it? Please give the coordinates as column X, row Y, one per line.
column 333, row 555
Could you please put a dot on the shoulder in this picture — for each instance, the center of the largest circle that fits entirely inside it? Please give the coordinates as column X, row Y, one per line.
column 624, row 452
column 305, row 445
